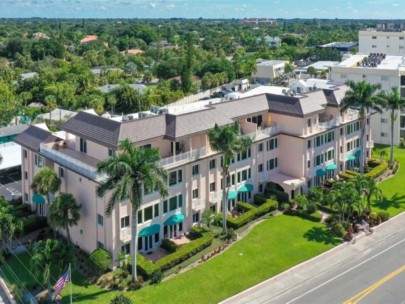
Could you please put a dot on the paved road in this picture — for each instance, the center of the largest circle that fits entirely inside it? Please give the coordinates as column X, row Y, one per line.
column 372, row 270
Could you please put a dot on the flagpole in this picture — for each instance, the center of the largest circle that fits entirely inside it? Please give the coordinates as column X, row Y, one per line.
column 70, row 274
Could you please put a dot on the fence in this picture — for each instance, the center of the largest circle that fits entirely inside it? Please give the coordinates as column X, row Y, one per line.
column 195, row 97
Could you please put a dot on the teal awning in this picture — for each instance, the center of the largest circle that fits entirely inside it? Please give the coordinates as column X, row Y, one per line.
column 175, row 219
column 246, row 188
column 331, row 166
column 351, row 157
column 151, row 230
column 232, row 194
column 38, row 199
column 320, row 172
column 357, row 153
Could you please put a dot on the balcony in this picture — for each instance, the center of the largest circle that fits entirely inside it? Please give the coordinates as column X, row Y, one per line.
column 74, row 160
column 331, row 123
column 189, row 156
column 263, row 133
column 125, row 235
column 370, row 144
column 264, row 176
column 215, row 196
column 198, row 204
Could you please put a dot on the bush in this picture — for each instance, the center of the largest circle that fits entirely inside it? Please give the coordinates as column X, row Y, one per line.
column 345, row 175
column 231, row 235
column 338, row 229
column 281, row 196
column 314, row 217
column 144, row 267
column 384, row 216
column 33, row 223
column 169, row 245
column 243, row 207
column 22, row 210
column 121, row 299
column 100, row 259
column 156, row 277
column 259, row 199
column 269, row 205
column 134, row 285
column 241, row 220
column 374, row 162
column 378, row 170
column 351, row 172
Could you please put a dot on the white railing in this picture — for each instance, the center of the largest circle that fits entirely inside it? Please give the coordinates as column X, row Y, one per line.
column 215, row 196
column 198, row 203
column 183, row 157
column 125, row 235
column 263, row 176
column 329, row 124
column 267, row 132
column 370, row 144
column 70, row 162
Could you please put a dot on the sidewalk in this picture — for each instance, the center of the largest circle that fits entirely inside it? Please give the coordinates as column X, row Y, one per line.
column 322, row 263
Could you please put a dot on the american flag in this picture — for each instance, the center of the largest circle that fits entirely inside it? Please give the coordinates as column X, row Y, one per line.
column 61, row 283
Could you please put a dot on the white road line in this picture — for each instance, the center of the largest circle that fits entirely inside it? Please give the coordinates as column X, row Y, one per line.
column 343, row 273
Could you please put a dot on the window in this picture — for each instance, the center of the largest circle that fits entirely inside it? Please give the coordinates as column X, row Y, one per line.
column 175, row 177
column 111, row 152
column 195, row 193
column 384, row 78
column 343, row 76
column 318, row 160
column 244, row 155
column 374, row 46
column 272, row 144
column 157, row 237
column 212, row 187
column 260, row 168
column 38, row 161
column 212, row 164
column 260, row 147
column 196, row 217
column 309, row 184
column 383, row 134
column 156, row 211
column 309, row 164
column 100, row 245
column 100, row 220
column 26, row 197
column 140, row 217
column 61, row 172
column 126, row 249
column 173, row 203
column 25, row 153
column 195, row 169
column 384, row 120
column 261, row 188
column 83, row 145
column 25, row 174
column 125, row 221
column 148, row 213
column 272, row 163
column 374, row 37
column 318, row 141
column 341, row 131
column 309, row 123
column 401, row 38
column 309, row 144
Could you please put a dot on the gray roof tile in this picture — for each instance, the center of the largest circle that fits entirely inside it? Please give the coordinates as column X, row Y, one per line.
column 32, row 137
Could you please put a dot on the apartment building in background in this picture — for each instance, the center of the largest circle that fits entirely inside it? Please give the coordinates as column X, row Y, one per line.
column 298, row 142
column 390, row 43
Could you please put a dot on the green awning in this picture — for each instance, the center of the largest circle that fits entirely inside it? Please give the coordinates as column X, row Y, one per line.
column 357, row 153
column 38, row 199
column 151, row 230
column 320, row 172
column 174, row 219
column 246, row 188
column 232, row 194
column 351, row 157
column 331, row 166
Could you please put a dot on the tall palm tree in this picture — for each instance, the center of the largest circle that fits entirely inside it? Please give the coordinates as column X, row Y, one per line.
column 394, row 103
column 362, row 96
column 129, row 171
column 45, row 182
column 227, row 141
column 371, row 189
column 64, row 212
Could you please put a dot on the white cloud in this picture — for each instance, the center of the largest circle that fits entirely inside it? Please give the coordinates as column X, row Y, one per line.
column 152, row 4
column 396, row 5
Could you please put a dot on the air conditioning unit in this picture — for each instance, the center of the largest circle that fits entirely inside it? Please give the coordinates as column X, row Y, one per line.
column 130, row 117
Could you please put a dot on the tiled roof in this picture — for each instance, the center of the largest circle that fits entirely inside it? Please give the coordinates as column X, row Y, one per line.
column 32, row 137
column 142, row 129
column 13, row 130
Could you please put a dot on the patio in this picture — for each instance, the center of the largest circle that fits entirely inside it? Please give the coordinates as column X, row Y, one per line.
column 159, row 252
column 180, row 240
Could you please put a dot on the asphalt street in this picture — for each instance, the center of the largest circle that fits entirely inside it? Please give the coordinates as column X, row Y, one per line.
column 370, row 270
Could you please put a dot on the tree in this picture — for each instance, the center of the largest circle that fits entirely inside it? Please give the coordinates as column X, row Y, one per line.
column 51, row 254
column 129, row 172
column 64, row 212
column 186, row 73
column 361, row 96
column 130, row 68
column 112, row 102
column 121, row 299
column 394, row 103
column 227, row 141
column 371, row 189
column 8, row 104
column 45, row 182
column 9, row 223
column 50, row 105
column 312, row 71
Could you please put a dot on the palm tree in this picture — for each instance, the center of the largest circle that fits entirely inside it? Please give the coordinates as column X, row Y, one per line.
column 362, row 96
column 46, row 182
column 371, row 189
column 394, row 103
column 227, row 141
column 129, row 172
column 50, row 105
column 64, row 212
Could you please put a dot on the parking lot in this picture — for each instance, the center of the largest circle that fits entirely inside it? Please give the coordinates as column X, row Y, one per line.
column 10, row 183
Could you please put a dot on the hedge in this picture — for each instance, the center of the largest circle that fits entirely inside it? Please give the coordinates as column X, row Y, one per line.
column 269, row 205
column 377, row 171
column 259, row 199
column 281, row 196
column 169, row 245
column 374, row 162
column 34, row 223
column 344, row 175
column 243, row 207
column 248, row 216
column 100, row 259
column 351, row 172
column 314, row 217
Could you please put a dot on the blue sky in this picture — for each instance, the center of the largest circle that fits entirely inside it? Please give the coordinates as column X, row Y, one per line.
column 355, row 9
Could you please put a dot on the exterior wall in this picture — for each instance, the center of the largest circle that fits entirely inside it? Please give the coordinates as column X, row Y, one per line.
column 391, row 43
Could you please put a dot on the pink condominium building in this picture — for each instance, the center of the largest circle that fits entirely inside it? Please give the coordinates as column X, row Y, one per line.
column 298, row 142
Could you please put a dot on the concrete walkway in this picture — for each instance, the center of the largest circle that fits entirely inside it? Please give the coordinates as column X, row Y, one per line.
column 293, row 277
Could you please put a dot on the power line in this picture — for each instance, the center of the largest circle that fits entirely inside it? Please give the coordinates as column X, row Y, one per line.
column 17, row 280
column 16, row 294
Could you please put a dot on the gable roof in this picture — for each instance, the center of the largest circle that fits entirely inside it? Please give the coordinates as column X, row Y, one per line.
column 32, row 137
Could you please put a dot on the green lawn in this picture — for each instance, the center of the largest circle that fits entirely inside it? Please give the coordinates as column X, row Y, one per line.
column 393, row 188
column 270, row 248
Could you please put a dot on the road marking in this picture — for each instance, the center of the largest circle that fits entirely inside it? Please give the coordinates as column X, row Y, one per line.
column 362, row 294
column 347, row 271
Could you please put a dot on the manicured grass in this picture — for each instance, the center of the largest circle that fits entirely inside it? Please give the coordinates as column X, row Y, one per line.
column 270, row 248
column 393, row 188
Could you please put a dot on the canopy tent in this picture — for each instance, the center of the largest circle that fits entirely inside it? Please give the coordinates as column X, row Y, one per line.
column 174, row 219
column 151, row 230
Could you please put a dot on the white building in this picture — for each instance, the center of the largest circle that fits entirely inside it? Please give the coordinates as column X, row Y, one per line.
column 386, row 70
column 268, row 70
column 311, row 84
column 390, row 43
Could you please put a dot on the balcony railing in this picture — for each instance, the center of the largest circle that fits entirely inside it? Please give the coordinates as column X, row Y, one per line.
column 267, row 132
column 198, row 203
column 329, row 123
column 71, row 163
column 125, row 235
column 370, row 144
column 214, row 196
column 183, row 157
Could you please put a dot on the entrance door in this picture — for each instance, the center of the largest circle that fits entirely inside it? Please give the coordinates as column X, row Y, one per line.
column 148, row 243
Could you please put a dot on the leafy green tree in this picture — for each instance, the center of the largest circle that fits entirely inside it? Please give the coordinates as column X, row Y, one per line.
column 100, row 259
column 45, row 182
column 51, row 255
column 361, row 96
column 50, row 105
column 371, row 190
column 186, row 74
column 312, row 71
column 129, row 171
column 8, row 104
column 9, row 223
column 130, row 68
column 394, row 103
column 64, row 212
column 227, row 141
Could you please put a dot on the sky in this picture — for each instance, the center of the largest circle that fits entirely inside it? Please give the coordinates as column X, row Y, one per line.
column 325, row 9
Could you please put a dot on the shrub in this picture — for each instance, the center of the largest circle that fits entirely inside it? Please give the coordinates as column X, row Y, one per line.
column 351, row 172
column 338, row 229
column 330, row 182
column 314, row 217
column 231, row 235
column 384, row 216
column 33, row 223
column 196, row 232
column 281, row 196
column 243, row 207
column 156, row 277
column 344, row 175
column 259, row 199
column 134, row 285
column 269, row 205
column 144, row 267
column 241, row 220
column 378, row 170
column 22, row 210
column 374, row 162
column 169, row 245
column 100, row 259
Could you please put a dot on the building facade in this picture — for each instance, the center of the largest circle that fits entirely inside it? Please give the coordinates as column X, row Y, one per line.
column 390, row 43
column 298, row 142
